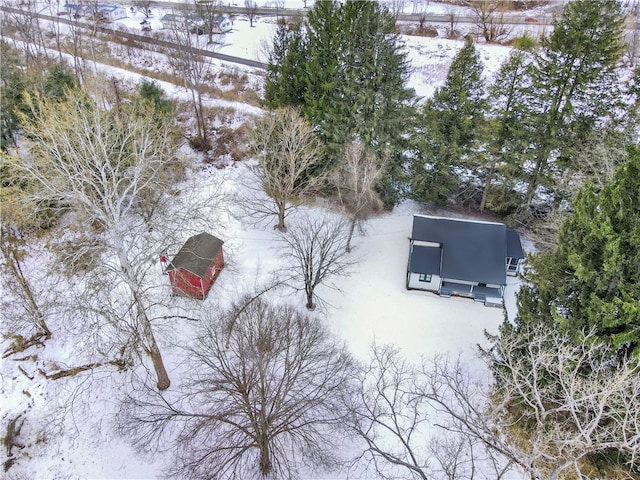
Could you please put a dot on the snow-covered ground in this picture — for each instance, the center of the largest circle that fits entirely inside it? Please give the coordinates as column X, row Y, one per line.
column 370, row 305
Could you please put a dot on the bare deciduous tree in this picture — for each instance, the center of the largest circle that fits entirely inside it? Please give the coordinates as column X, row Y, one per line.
column 31, row 322
column 251, row 9
column 453, row 19
column 315, row 251
column 264, row 398
column 28, row 323
column 553, row 406
column 76, row 30
column 489, row 19
column 208, row 11
column 143, row 6
column 396, row 7
column 287, row 149
column 632, row 8
column 101, row 164
column 568, row 400
column 355, row 179
column 194, row 68
column 401, row 429
column 388, row 416
column 24, row 21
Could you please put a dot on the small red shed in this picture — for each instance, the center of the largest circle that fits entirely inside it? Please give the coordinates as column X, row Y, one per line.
column 196, row 266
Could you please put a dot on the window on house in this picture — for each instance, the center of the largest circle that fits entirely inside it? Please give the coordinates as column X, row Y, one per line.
column 424, row 277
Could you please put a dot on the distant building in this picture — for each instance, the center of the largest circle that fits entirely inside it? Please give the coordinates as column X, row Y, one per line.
column 196, row 23
column 108, row 13
column 468, row 258
column 195, row 268
column 221, row 24
column 171, row 20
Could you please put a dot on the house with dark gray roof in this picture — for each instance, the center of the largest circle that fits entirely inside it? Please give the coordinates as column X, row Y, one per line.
column 468, row 258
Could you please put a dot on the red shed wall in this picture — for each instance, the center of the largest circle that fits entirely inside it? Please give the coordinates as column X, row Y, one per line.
column 187, row 283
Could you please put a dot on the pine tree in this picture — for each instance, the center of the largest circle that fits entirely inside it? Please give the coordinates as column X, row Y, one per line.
column 591, row 279
column 573, row 79
column 504, row 132
column 150, row 93
column 452, row 119
column 325, row 46
column 375, row 103
column 632, row 118
column 285, row 80
column 354, row 74
column 13, row 80
column 57, row 81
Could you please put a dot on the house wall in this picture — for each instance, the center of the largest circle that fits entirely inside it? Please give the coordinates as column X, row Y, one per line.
column 171, row 22
column 221, row 26
column 511, row 270
column 114, row 14
column 413, row 282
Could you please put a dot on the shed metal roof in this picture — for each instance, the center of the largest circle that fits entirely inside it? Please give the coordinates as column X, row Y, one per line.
column 473, row 251
column 196, row 254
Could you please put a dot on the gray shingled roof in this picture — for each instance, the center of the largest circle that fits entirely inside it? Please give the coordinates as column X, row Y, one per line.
column 471, row 250
column 425, row 260
column 514, row 246
column 196, row 254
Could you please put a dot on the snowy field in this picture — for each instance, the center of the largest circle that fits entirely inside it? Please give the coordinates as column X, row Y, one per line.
column 370, row 305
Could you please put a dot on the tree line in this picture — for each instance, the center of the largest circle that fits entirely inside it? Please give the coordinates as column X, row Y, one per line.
column 511, row 146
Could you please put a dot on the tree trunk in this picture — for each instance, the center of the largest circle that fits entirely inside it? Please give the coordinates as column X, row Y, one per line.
column 158, row 365
column 152, row 350
column 531, row 189
column 281, row 214
column 203, row 124
column 352, row 227
column 265, row 458
column 11, row 258
column 487, row 186
column 146, row 335
column 310, row 305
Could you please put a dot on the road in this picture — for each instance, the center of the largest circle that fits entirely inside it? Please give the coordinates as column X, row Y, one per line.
column 144, row 39
column 290, row 12
column 508, row 19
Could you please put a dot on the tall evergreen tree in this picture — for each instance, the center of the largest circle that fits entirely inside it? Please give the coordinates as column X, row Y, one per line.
column 632, row 124
column 11, row 81
column 285, row 81
column 452, row 119
column 349, row 74
column 591, row 279
column 504, row 132
column 573, row 80
column 325, row 46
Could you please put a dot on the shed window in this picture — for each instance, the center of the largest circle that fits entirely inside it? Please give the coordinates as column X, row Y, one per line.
column 424, row 277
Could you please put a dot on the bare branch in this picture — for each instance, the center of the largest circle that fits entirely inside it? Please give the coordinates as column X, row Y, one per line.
column 288, row 150
column 315, row 249
column 355, row 180
column 263, row 398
